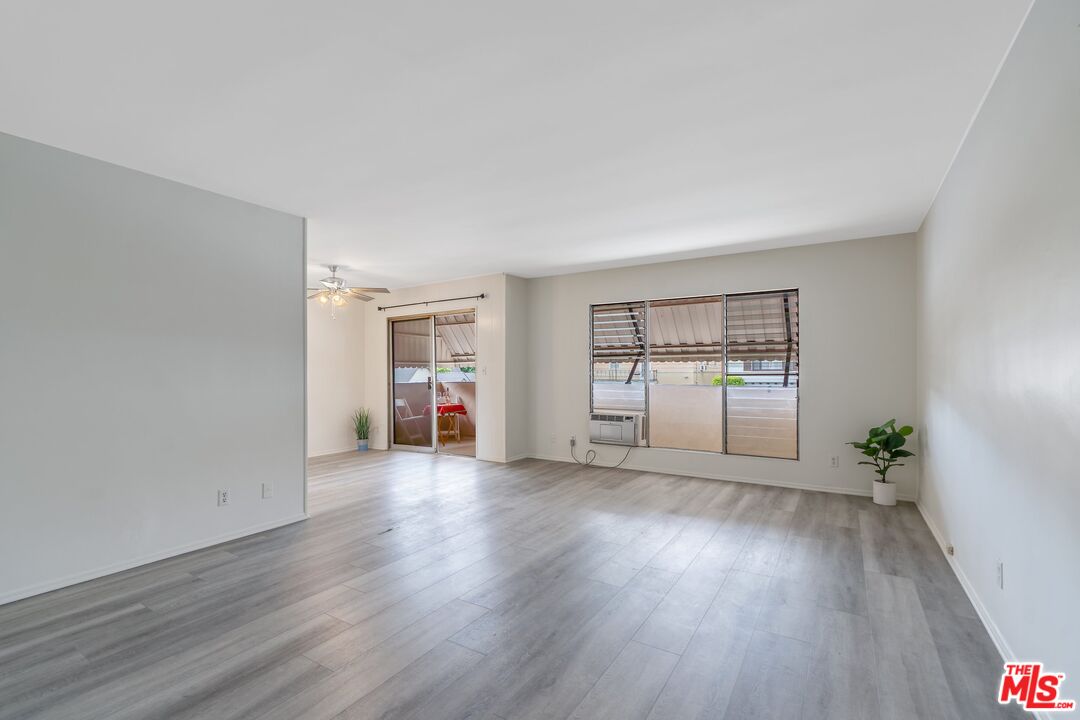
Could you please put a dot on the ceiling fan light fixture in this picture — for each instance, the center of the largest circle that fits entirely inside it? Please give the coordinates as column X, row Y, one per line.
column 336, row 293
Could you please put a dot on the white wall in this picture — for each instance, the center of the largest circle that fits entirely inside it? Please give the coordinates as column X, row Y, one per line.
column 857, row 358
column 151, row 352
column 999, row 348
column 491, row 434
column 335, row 373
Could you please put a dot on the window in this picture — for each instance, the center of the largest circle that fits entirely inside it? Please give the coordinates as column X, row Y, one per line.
column 718, row 373
column 686, row 352
column 618, row 357
column 763, row 351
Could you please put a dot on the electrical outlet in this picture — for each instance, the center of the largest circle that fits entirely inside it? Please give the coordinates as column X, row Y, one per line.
column 267, row 490
column 223, row 497
column 834, row 461
column 1001, row 575
column 573, row 440
column 552, row 439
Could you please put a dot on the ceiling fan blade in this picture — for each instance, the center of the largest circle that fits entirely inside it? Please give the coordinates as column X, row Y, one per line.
column 369, row 290
column 317, row 294
column 359, row 296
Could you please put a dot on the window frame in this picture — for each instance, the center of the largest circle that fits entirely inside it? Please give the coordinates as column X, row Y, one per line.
column 647, row 363
column 644, row 360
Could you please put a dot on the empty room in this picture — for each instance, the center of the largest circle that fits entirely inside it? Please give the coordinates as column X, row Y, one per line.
column 599, row 360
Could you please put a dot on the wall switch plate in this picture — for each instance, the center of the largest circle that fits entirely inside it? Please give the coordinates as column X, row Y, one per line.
column 1001, row 575
column 834, row 461
column 223, row 497
column 267, row 490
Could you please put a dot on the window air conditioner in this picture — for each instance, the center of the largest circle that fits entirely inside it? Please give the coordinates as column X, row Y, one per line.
column 613, row 429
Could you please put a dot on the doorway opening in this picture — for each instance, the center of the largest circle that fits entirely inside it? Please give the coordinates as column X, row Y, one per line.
column 433, row 383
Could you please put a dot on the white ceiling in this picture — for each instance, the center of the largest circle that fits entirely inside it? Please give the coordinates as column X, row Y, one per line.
column 433, row 140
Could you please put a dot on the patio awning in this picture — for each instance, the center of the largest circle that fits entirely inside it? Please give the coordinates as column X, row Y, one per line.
column 686, row 330
column 760, row 326
column 764, row 326
column 618, row 332
column 455, row 338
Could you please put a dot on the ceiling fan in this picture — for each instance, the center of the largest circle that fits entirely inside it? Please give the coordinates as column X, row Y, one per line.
column 335, row 291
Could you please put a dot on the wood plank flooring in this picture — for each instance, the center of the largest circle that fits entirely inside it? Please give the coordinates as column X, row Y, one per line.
column 436, row 587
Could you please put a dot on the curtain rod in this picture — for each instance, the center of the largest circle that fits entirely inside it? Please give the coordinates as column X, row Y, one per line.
column 481, row 296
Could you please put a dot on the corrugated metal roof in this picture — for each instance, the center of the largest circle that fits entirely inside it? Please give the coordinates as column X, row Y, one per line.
column 455, row 338
column 686, row 329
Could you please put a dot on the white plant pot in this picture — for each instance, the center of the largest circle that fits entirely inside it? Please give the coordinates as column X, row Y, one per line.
column 884, row 493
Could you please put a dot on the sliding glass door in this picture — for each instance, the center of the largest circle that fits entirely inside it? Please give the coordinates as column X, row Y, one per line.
column 433, row 383
column 412, row 385
column 455, row 382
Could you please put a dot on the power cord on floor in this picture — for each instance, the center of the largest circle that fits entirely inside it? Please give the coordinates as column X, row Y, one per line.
column 590, row 457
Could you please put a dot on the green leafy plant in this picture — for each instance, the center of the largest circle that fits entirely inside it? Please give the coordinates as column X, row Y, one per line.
column 362, row 423
column 884, row 445
column 731, row 380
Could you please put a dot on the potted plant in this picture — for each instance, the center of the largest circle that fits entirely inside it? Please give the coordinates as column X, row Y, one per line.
column 884, row 445
column 362, row 427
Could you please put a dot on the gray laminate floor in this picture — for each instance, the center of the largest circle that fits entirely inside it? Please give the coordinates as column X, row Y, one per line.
column 441, row 587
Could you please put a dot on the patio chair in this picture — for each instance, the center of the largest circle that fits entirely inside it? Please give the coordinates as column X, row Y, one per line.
column 412, row 425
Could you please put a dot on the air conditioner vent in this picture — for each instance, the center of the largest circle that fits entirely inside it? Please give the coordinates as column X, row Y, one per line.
column 613, row 429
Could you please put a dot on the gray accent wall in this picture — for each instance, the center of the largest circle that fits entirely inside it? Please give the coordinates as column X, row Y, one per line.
column 151, row 353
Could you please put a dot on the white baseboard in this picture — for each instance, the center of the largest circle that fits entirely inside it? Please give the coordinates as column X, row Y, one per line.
column 1000, row 642
column 351, row 448
column 76, row 578
column 996, row 636
column 734, row 478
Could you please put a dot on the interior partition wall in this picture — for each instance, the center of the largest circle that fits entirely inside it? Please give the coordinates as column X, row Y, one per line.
column 717, row 373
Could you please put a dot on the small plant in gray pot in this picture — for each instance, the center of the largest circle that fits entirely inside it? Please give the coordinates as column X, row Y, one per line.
column 362, row 427
column 884, row 445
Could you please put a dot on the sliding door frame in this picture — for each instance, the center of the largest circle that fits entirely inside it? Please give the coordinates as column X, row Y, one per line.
column 391, row 416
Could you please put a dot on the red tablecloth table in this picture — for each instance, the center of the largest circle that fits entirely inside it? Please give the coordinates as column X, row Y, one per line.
column 450, row 410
